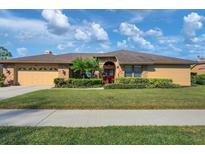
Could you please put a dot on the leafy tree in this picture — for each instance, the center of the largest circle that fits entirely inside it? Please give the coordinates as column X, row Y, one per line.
column 92, row 65
column 79, row 66
column 85, row 66
column 4, row 53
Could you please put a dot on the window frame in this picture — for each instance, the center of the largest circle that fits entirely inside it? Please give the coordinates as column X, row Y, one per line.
column 133, row 72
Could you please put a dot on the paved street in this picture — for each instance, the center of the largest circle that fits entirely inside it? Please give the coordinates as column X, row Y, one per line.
column 95, row 118
column 7, row 92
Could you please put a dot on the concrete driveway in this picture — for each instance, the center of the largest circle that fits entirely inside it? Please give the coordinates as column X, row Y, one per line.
column 7, row 92
column 96, row 118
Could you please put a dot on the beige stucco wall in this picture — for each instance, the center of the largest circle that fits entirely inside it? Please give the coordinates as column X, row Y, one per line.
column 180, row 74
column 199, row 69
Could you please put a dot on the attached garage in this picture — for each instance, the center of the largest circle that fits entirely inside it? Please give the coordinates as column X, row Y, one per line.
column 40, row 78
column 40, row 75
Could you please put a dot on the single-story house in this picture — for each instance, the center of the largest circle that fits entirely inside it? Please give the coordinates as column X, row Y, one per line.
column 42, row 69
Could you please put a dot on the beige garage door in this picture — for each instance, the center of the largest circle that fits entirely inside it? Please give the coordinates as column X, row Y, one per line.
column 40, row 78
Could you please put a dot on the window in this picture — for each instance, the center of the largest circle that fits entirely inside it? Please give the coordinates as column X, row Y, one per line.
column 128, row 71
column 133, row 70
column 137, row 71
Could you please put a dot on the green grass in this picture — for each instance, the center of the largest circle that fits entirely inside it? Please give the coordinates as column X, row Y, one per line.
column 103, row 135
column 177, row 98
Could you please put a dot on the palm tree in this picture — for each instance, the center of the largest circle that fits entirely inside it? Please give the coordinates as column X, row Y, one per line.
column 79, row 65
column 92, row 65
column 85, row 66
column 4, row 53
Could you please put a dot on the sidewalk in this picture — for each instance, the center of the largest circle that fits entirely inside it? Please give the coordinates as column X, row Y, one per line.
column 96, row 118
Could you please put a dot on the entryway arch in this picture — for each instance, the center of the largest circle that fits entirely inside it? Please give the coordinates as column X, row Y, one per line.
column 109, row 72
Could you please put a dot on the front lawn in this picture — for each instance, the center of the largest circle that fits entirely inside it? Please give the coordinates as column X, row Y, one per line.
column 177, row 98
column 103, row 135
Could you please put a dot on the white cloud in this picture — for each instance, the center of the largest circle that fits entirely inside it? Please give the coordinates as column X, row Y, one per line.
column 192, row 23
column 99, row 32
column 38, row 31
column 122, row 44
column 22, row 51
column 82, row 35
column 142, row 42
column 154, row 32
column 58, row 22
column 91, row 32
column 135, row 34
column 129, row 29
column 64, row 46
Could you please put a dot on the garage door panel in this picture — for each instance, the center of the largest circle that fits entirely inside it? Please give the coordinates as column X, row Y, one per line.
column 36, row 77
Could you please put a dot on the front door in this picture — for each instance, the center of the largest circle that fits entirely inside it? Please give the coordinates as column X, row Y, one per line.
column 108, row 76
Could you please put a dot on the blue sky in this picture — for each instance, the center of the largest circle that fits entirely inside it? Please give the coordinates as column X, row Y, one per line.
column 177, row 33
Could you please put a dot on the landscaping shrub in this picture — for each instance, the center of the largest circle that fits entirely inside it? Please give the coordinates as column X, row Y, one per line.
column 78, row 83
column 134, row 83
column 200, row 79
column 193, row 79
column 59, row 82
column 2, row 78
column 197, row 79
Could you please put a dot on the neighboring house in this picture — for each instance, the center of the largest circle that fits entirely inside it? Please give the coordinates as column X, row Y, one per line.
column 42, row 69
column 199, row 68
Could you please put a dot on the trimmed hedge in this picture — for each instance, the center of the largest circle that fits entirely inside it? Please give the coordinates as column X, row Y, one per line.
column 2, row 78
column 120, row 83
column 135, row 83
column 123, row 86
column 78, row 83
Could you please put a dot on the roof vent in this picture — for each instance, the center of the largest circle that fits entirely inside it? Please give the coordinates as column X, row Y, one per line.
column 48, row 52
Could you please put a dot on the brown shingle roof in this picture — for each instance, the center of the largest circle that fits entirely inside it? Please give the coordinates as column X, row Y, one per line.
column 124, row 57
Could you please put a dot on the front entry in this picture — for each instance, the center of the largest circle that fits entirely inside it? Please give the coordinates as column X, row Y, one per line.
column 108, row 72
